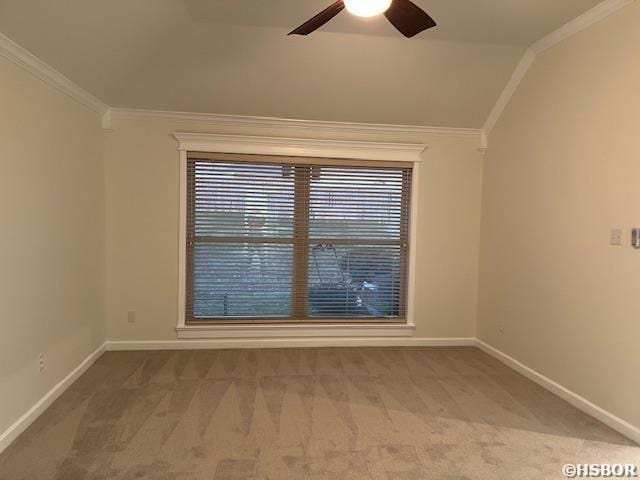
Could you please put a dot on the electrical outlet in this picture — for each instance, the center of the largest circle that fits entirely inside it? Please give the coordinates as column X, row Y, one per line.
column 131, row 316
column 41, row 358
column 501, row 328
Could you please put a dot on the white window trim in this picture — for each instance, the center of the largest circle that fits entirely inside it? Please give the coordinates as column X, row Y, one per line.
column 217, row 143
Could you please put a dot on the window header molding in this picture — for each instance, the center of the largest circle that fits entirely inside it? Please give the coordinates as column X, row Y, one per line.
column 303, row 147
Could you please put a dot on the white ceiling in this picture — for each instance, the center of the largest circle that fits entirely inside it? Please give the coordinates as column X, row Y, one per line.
column 233, row 56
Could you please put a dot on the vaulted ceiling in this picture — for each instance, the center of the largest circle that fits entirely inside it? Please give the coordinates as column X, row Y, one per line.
column 233, row 56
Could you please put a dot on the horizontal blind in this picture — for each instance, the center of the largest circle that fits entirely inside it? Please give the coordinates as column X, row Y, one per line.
column 282, row 241
column 240, row 240
column 358, row 229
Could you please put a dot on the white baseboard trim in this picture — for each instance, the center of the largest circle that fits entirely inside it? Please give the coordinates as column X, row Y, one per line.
column 288, row 343
column 20, row 425
column 581, row 403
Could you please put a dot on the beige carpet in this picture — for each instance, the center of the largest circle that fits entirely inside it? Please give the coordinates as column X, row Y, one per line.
column 353, row 413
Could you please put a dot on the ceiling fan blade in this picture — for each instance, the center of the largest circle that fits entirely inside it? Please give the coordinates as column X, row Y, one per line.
column 408, row 18
column 316, row 22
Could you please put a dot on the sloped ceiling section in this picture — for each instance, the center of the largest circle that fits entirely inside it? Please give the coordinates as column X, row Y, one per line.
column 234, row 57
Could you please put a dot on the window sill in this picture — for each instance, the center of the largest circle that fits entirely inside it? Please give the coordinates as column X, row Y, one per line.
column 289, row 331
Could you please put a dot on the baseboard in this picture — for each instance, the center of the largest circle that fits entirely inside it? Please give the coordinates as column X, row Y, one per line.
column 616, row 423
column 20, row 425
column 288, row 343
column 622, row 426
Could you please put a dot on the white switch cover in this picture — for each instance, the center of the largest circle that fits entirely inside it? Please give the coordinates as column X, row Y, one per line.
column 131, row 316
column 615, row 237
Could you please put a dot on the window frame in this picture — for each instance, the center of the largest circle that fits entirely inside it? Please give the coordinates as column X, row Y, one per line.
column 297, row 151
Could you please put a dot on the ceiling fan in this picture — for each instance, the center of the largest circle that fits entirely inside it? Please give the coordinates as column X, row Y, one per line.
column 406, row 16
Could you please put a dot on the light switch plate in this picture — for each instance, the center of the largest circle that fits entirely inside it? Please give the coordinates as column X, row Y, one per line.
column 615, row 237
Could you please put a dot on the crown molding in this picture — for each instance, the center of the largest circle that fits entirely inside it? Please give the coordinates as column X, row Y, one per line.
column 106, row 121
column 512, row 85
column 307, row 125
column 26, row 60
column 594, row 15
column 255, row 145
column 582, row 22
column 484, row 144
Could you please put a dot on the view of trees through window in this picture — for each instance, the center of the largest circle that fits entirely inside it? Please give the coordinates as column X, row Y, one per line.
column 296, row 241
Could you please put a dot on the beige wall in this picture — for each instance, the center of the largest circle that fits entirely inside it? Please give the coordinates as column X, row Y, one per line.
column 562, row 171
column 563, row 168
column 52, row 238
column 141, row 165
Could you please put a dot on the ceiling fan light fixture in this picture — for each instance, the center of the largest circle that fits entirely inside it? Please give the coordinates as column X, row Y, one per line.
column 367, row 8
column 408, row 18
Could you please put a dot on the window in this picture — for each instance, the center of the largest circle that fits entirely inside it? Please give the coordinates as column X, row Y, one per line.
column 285, row 239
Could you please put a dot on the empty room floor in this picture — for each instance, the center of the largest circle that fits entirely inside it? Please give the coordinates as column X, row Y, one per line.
column 321, row 413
